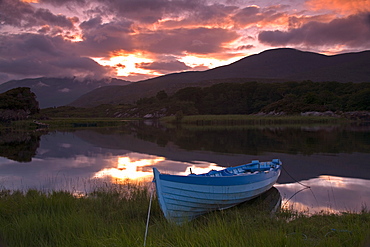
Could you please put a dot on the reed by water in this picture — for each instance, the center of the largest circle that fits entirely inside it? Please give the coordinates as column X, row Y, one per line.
column 117, row 217
column 252, row 119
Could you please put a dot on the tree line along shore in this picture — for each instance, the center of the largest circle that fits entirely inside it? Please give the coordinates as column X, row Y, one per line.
column 301, row 99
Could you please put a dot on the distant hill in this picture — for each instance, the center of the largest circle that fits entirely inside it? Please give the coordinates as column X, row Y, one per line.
column 276, row 65
column 59, row 91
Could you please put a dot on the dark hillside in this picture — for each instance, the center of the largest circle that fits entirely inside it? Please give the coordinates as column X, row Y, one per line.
column 283, row 98
column 277, row 65
column 59, row 91
column 273, row 64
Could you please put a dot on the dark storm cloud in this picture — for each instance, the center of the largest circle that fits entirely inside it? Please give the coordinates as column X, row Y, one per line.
column 92, row 23
column 63, row 2
column 13, row 12
column 177, row 41
column 248, row 15
column 164, row 67
column 252, row 15
column 27, row 66
column 44, row 29
column 21, row 45
column 79, row 64
column 203, row 15
column 352, row 31
column 148, row 11
column 99, row 40
column 40, row 44
column 44, row 16
column 19, row 14
column 40, row 55
column 245, row 47
column 215, row 13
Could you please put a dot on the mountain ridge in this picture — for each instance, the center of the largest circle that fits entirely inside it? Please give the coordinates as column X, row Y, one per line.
column 275, row 65
column 52, row 92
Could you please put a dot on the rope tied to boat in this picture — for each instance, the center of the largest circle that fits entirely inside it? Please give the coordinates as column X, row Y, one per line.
column 304, row 185
column 149, row 209
column 307, row 187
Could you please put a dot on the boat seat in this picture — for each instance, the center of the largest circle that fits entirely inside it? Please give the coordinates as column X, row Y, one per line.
column 276, row 161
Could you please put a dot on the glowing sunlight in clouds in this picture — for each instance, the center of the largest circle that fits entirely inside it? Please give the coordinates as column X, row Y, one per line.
column 137, row 40
column 125, row 65
column 194, row 61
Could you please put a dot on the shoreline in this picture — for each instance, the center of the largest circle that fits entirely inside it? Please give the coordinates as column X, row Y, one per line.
column 117, row 217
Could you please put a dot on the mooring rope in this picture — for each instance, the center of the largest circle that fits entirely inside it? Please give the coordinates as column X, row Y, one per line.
column 150, row 206
column 305, row 187
column 294, row 178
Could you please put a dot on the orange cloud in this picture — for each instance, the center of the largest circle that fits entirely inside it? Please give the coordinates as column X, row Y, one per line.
column 343, row 6
column 298, row 21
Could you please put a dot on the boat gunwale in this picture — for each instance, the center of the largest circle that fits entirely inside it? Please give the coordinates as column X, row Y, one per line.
column 221, row 180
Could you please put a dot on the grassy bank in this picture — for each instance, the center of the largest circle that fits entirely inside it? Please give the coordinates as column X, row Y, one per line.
column 117, row 217
column 199, row 120
column 252, row 120
column 65, row 123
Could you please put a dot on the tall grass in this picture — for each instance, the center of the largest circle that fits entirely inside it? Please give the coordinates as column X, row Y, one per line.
column 117, row 217
column 66, row 123
column 252, row 119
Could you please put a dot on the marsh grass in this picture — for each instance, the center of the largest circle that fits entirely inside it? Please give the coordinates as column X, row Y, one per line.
column 252, row 120
column 117, row 217
column 66, row 123
column 75, row 122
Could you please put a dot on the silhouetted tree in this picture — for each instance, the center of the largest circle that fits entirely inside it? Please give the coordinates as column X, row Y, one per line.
column 18, row 104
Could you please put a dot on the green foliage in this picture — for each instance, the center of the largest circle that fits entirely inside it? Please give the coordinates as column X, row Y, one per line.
column 360, row 100
column 179, row 116
column 20, row 98
column 254, row 97
column 161, row 95
column 101, row 111
column 236, row 98
column 146, row 101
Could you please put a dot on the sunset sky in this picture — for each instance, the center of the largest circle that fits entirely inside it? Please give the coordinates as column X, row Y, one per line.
column 139, row 39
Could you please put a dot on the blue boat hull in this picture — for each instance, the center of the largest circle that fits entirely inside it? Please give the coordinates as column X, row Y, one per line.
column 183, row 198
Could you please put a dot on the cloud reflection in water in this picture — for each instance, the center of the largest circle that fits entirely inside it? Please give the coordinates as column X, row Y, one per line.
column 129, row 168
column 138, row 167
column 327, row 193
column 82, row 167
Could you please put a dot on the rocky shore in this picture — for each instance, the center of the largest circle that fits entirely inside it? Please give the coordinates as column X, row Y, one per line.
column 353, row 115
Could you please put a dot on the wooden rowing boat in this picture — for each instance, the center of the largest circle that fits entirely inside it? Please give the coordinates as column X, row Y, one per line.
column 183, row 198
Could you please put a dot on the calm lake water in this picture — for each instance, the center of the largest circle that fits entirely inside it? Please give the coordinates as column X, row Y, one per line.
column 334, row 161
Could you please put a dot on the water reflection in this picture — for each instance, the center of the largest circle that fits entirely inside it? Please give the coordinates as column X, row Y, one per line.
column 138, row 167
column 270, row 201
column 132, row 168
column 19, row 145
column 81, row 161
column 82, row 173
column 255, row 140
column 326, row 193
